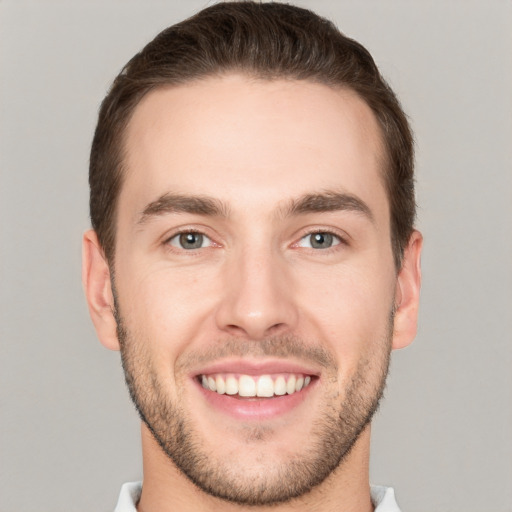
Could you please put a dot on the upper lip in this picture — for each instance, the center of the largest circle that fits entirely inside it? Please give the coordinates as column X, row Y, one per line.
column 256, row 367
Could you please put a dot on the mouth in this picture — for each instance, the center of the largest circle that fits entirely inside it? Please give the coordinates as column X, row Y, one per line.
column 260, row 391
column 250, row 386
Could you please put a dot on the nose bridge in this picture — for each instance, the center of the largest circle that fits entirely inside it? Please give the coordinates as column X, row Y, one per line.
column 257, row 298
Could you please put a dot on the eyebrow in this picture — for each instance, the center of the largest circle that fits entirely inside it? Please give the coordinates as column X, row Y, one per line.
column 177, row 203
column 328, row 201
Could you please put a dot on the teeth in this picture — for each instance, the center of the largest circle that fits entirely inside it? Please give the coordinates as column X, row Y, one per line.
column 290, row 385
column 251, row 386
column 220, row 385
column 246, row 386
column 211, row 384
column 231, row 386
column 280, row 386
column 265, row 386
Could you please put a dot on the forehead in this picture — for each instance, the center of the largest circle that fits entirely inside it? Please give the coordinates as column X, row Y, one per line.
column 252, row 142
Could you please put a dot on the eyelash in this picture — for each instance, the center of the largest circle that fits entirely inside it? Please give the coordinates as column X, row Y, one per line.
column 186, row 231
column 323, row 231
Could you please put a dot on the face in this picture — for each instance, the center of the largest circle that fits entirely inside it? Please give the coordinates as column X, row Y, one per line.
column 254, row 280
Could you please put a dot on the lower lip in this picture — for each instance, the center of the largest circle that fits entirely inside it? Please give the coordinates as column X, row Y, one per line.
column 255, row 408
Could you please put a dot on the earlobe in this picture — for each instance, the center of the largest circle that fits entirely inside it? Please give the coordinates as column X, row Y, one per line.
column 407, row 293
column 98, row 290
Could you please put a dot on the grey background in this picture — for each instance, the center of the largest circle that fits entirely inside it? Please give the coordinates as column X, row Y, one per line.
column 69, row 436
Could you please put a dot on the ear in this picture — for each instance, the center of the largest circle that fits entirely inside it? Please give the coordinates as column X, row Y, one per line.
column 98, row 290
column 407, row 293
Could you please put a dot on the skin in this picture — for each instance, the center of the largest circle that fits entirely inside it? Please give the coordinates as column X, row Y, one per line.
column 255, row 147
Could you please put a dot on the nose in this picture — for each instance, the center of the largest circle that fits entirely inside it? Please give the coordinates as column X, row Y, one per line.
column 257, row 298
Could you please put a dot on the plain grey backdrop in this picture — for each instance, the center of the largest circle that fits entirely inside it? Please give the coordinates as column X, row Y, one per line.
column 443, row 438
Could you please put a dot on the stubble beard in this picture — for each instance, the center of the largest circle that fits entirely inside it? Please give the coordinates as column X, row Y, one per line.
column 333, row 434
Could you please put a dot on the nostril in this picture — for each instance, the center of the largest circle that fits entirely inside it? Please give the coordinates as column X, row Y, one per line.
column 275, row 330
column 235, row 328
column 256, row 332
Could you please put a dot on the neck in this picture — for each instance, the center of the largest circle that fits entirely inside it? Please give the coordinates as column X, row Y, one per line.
column 166, row 489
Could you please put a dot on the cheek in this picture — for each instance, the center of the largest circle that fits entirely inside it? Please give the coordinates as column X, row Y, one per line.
column 352, row 309
column 352, row 319
column 167, row 306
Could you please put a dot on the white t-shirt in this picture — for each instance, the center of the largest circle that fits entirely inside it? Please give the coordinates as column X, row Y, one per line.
column 383, row 498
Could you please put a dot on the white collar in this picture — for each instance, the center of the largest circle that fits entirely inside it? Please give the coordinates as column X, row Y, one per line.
column 383, row 498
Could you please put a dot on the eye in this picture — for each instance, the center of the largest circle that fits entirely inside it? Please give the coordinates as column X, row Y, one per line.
column 190, row 240
column 320, row 240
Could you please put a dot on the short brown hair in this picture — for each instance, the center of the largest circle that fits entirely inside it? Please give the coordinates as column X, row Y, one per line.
column 268, row 40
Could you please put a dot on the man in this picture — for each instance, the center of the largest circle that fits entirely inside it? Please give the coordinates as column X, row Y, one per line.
column 253, row 258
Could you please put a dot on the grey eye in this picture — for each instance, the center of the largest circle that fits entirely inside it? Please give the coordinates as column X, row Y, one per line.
column 319, row 241
column 190, row 241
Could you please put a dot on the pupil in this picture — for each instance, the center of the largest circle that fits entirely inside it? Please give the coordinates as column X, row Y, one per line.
column 321, row 240
column 191, row 240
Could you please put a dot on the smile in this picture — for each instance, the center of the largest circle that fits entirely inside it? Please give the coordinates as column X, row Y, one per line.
column 247, row 386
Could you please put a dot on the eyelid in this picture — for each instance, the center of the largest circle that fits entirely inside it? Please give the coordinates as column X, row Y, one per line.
column 177, row 236
column 342, row 237
column 176, row 232
column 338, row 234
column 336, row 240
